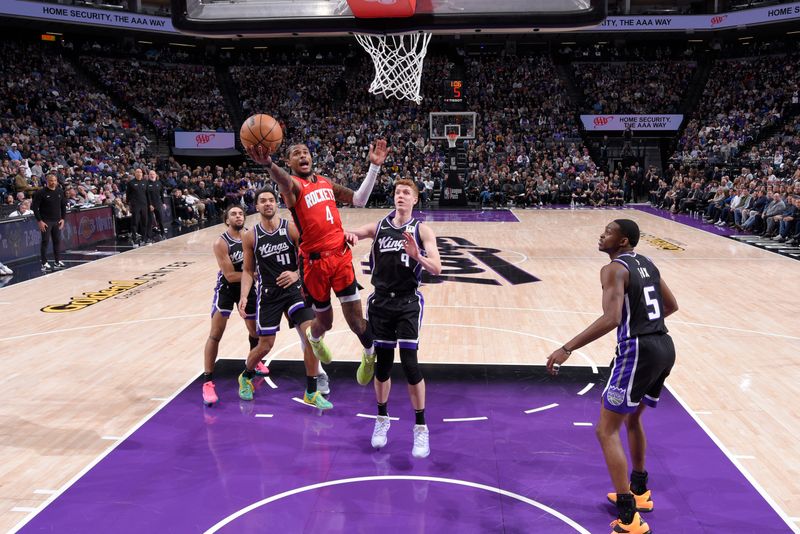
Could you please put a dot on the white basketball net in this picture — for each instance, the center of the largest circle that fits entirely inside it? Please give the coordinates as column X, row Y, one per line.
column 398, row 63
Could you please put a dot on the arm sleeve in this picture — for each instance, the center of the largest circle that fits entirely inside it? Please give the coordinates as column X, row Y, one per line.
column 361, row 196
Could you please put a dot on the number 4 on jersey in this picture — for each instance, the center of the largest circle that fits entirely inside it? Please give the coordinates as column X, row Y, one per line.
column 328, row 214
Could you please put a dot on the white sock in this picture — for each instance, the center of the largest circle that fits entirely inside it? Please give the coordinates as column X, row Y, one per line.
column 370, row 350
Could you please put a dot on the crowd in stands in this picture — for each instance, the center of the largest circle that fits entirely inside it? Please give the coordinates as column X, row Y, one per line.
column 634, row 87
column 742, row 98
column 527, row 149
column 173, row 96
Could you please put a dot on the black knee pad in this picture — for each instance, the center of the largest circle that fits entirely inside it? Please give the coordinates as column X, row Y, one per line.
column 408, row 358
column 383, row 364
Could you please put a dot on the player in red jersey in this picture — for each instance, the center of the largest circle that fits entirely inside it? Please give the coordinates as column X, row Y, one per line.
column 327, row 263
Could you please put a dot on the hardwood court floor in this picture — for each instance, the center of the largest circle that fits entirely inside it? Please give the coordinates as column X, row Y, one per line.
column 73, row 382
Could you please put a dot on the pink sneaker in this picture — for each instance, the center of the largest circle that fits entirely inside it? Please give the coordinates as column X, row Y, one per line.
column 261, row 369
column 209, row 394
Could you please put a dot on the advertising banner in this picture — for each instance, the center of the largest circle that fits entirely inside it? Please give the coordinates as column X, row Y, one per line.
column 86, row 15
column 202, row 140
column 718, row 21
column 607, row 123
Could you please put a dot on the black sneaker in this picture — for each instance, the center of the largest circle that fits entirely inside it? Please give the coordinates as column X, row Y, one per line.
column 59, row 265
column 46, row 267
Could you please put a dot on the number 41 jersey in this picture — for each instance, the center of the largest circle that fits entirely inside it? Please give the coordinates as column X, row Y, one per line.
column 275, row 252
column 643, row 309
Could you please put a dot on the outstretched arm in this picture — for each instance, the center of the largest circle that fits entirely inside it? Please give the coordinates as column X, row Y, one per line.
column 286, row 183
column 613, row 277
column 377, row 155
column 362, row 232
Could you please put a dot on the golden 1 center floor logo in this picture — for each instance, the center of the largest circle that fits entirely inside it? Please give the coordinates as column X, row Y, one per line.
column 661, row 243
column 117, row 288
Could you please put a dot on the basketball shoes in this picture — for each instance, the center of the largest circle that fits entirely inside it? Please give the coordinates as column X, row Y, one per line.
column 246, row 388
column 366, row 370
column 636, row 526
column 320, row 349
column 379, row 433
column 644, row 502
column 209, row 394
column 422, row 446
column 261, row 369
column 316, row 399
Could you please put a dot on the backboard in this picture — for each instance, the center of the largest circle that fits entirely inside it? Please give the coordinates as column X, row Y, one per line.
column 278, row 18
column 463, row 123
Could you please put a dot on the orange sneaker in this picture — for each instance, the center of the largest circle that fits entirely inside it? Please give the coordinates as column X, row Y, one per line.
column 636, row 526
column 643, row 502
column 209, row 394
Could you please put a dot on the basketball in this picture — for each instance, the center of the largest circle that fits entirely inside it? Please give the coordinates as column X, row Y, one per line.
column 261, row 129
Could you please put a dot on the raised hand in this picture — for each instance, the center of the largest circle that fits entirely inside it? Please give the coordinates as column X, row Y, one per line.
column 259, row 155
column 410, row 246
column 351, row 238
column 378, row 152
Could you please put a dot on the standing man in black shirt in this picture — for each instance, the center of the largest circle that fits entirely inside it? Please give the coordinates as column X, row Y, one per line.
column 136, row 197
column 635, row 302
column 154, row 201
column 50, row 209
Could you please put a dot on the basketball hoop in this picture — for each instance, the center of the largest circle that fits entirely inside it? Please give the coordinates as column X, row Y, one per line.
column 398, row 63
column 452, row 137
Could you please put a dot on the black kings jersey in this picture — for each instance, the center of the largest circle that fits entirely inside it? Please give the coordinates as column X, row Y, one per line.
column 235, row 254
column 643, row 308
column 392, row 270
column 275, row 253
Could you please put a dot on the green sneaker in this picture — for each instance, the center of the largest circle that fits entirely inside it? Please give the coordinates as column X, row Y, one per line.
column 316, row 399
column 366, row 370
column 245, row 387
column 320, row 349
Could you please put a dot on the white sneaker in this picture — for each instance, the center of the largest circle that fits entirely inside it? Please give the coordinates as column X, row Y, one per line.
column 46, row 267
column 5, row 270
column 59, row 265
column 382, row 425
column 421, row 442
column 323, row 384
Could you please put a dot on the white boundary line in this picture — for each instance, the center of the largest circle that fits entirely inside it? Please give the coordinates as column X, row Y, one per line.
column 368, row 416
column 277, row 497
column 585, row 390
column 270, row 383
column 672, row 321
column 99, row 458
column 582, row 424
column 542, row 408
column 429, row 306
column 735, row 462
column 263, row 415
column 103, row 325
column 462, row 419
